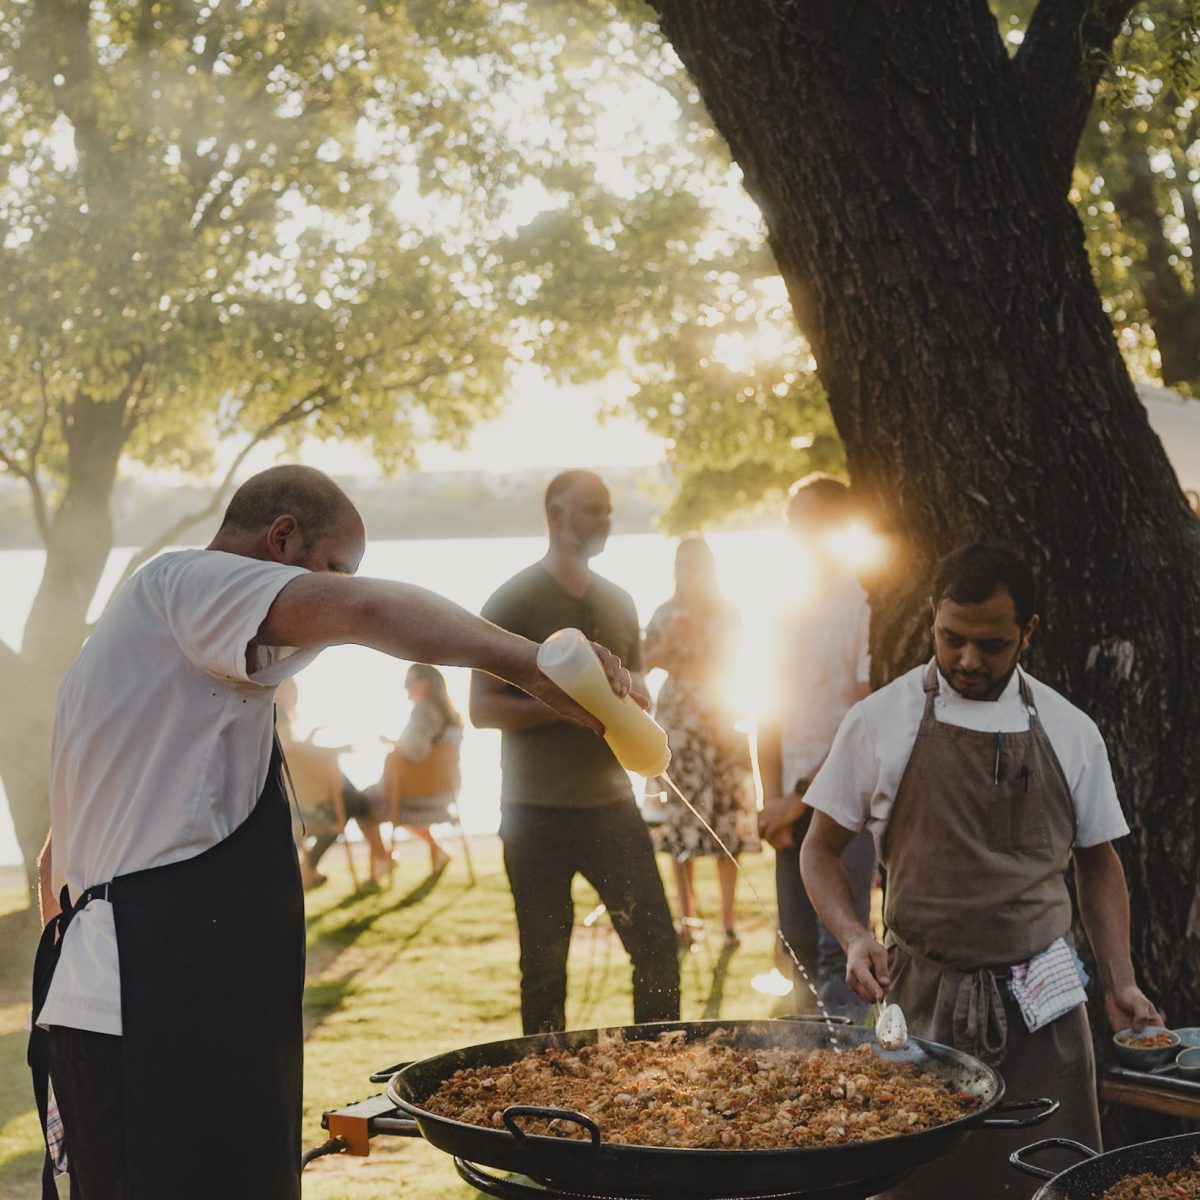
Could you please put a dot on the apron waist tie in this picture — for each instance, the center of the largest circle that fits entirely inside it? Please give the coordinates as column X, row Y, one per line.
column 44, row 964
column 979, row 1022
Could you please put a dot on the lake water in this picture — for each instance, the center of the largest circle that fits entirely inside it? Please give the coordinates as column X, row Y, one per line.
column 355, row 696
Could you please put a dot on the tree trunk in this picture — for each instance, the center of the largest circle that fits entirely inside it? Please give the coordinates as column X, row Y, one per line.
column 942, row 281
column 78, row 544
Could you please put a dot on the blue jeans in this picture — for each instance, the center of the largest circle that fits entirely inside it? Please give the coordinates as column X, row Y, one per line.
column 816, row 948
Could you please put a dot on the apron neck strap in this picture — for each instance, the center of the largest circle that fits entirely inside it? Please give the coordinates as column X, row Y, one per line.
column 1026, row 695
column 931, row 688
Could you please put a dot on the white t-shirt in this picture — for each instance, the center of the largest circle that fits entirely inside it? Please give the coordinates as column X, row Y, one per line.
column 162, row 740
column 822, row 667
column 857, row 785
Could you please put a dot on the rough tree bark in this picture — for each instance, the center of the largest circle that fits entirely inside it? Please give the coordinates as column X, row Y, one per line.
column 913, row 181
column 78, row 537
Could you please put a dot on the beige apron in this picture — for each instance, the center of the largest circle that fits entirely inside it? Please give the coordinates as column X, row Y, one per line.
column 976, row 852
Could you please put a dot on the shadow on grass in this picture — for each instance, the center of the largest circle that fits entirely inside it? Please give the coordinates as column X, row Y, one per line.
column 323, row 997
column 19, row 932
column 716, row 990
column 16, row 1086
column 21, row 1176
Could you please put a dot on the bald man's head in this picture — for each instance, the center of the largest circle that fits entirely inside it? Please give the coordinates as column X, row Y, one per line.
column 297, row 514
column 305, row 493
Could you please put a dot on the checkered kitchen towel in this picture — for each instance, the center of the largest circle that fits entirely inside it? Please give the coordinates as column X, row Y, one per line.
column 55, row 1141
column 1049, row 984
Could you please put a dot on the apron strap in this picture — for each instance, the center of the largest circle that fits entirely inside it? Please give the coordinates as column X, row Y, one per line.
column 979, row 1024
column 1027, row 697
column 38, row 1055
column 931, row 687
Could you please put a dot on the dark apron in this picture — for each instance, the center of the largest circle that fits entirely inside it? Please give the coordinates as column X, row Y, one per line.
column 976, row 852
column 211, row 955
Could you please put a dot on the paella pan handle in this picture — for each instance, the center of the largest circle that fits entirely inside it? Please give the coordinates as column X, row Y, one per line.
column 387, row 1072
column 1017, row 1157
column 1044, row 1108
column 514, row 1112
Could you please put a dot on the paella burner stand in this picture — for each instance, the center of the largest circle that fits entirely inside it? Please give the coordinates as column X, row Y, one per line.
column 352, row 1127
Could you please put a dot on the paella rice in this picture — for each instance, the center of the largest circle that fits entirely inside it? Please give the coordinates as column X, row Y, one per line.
column 1183, row 1183
column 707, row 1094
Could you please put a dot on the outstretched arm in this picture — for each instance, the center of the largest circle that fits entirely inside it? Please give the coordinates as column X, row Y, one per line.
column 412, row 623
column 493, row 705
column 1104, row 907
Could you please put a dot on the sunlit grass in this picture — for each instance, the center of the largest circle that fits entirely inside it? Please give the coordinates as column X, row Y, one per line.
column 403, row 972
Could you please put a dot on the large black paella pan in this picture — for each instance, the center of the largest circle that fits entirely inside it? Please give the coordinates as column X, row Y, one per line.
column 1090, row 1179
column 623, row 1170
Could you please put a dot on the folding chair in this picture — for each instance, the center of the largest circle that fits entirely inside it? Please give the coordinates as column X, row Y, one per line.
column 314, row 776
column 432, row 780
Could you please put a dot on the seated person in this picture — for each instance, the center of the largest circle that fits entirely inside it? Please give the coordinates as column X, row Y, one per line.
column 325, row 797
column 420, row 776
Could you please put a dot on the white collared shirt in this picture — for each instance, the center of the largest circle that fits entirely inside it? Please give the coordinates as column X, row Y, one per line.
column 822, row 668
column 162, row 740
column 857, row 785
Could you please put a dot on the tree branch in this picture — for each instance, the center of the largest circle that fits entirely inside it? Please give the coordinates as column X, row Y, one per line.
column 1064, row 54
column 311, row 402
column 1191, row 215
column 41, row 514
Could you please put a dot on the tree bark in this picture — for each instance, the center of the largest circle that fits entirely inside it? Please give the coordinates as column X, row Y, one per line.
column 940, row 275
column 79, row 540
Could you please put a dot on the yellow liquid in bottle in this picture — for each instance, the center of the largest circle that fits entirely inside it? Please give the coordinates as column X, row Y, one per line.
column 640, row 744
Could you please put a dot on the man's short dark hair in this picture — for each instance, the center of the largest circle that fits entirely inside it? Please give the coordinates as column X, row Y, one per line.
column 305, row 493
column 818, row 496
column 974, row 574
column 565, row 481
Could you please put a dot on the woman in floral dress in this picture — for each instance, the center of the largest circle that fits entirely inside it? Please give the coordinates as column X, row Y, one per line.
column 693, row 637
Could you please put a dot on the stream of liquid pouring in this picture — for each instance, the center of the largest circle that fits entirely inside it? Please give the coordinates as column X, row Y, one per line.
column 829, row 1025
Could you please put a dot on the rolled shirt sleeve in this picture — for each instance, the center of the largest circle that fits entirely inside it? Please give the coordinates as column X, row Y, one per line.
column 214, row 605
column 1098, row 815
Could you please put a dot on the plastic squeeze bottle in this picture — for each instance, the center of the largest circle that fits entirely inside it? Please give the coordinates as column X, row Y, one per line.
column 638, row 741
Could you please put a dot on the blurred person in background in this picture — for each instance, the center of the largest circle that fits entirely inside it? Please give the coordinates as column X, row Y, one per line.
column 694, row 637
column 821, row 668
column 434, row 725
column 326, row 799
column 566, row 804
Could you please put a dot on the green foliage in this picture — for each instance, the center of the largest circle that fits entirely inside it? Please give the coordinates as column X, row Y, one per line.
column 1137, row 185
column 220, row 223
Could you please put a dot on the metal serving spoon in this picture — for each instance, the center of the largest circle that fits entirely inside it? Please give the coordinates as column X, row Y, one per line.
column 891, row 1029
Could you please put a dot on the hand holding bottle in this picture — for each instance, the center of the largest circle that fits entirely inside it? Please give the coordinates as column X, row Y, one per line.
column 586, row 672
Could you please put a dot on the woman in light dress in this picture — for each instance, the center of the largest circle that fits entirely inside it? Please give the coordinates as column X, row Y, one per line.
column 693, row 637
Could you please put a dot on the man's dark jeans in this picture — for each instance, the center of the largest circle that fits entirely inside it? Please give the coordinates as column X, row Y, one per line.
column 544, row 848
column 815, row 947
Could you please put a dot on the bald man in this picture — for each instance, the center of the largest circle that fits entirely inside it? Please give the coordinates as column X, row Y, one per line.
column 169, row 979
column 566, row 807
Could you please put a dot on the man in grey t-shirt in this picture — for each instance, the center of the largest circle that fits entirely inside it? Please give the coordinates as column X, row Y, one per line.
column 566, row 803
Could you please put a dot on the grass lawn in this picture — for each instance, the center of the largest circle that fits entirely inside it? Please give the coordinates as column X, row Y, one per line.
column 404, row 972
